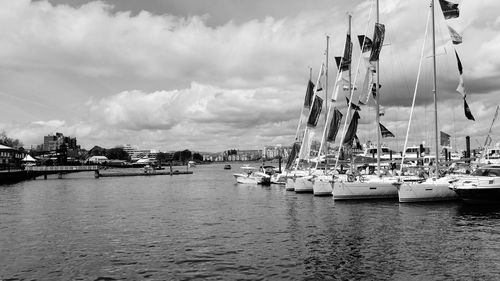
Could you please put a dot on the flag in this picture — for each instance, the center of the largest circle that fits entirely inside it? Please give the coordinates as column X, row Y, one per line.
column 455, row 37
column 450, row 10
column 351, row 131
column 293, row 155
column 445, row 139
column 357, row 143
column 353, row 106
column 309, row 94
column 384, row 132
column 468, row 113
column 315, row 112
column 337, row 62
column 378, row 41
column 365, row 43
column 345, row 63
column 334, row 125
column 461, row 89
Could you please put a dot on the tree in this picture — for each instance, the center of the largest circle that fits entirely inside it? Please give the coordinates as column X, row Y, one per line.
column 117, row 153
column 197, row 156
column 5, row 140
column 185, row 155
column 97, row 151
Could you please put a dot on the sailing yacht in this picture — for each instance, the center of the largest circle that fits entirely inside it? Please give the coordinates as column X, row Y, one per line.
column 353, row 185
column 436, row 187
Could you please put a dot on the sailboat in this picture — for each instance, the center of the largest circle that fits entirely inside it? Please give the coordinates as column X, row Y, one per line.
column 435, row 188
column 295, row 171
column 351, row 186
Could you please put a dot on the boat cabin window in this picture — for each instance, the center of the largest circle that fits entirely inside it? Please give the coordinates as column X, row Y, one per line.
column 487, row 172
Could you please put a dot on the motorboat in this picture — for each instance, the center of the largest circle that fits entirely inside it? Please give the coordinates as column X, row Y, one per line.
column 227, row 167
column 252, row 175
column 481, row 187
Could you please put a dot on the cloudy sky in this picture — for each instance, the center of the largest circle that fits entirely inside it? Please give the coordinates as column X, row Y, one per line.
column 219, row 74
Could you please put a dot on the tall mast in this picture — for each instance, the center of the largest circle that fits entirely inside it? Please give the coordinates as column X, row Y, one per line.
column 326, row 92
column 350, row 82
column 435, row 87
column 377, row 111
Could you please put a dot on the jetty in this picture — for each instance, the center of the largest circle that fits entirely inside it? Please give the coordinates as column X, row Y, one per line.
column 143, row 173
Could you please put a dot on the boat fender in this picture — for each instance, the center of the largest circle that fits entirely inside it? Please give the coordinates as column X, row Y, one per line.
column 361, row 179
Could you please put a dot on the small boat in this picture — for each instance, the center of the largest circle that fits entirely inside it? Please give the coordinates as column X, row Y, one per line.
column 227, row 167
column 191, row 164
column 252, row 175
column 481, row 187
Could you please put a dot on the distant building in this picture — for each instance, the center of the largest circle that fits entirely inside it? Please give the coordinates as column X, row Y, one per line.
column 10, row 157
column 54, row 142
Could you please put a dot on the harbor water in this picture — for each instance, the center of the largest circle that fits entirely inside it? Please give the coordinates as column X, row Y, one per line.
column 204, row 226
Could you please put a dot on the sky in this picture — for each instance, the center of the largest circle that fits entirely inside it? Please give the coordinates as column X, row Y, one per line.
column 221, row 74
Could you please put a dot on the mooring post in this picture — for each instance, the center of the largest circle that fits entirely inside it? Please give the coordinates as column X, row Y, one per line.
column 44, row 176
column 96, row 174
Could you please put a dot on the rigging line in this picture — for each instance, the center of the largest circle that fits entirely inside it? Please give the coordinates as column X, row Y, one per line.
column 415, row 93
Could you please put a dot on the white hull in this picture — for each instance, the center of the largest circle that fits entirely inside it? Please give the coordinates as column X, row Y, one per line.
column 303, row 185
column 372, row 188
column 323, row 186
column 428, row 191
column 290, row 184
column 241, row 178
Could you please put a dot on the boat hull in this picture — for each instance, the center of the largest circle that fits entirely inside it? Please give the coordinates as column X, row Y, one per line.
column 356, row 190
column 303, row 185
column 428, row 191
column 323, row 187
column 290, row 184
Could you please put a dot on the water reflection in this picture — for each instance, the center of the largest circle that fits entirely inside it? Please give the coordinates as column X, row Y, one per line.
column 204, row 226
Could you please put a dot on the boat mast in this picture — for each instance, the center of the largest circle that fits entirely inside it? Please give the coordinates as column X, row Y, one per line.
column 326, row 96
column 435, row 88
column 377, row 111
column 350, row 82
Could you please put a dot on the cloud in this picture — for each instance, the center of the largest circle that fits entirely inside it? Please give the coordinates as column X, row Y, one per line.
column 166, row 81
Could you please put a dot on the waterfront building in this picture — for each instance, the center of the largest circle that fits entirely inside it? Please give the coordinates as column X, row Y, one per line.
column 10, row 158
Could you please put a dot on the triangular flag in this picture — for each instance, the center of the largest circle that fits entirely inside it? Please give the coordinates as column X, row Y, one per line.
column 455, row 37
column 468, row 113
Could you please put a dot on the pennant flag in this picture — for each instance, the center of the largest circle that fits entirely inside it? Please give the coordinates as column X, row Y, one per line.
column 309, row 94
column 315, row 112
column 455, row 37
column 351, row 131
column 293, row 155
column 365, row 43
column 468, row 113
column 378, row 41
column 358, row 143
column 353, row 106
column 334, row 125
column 384, row 132
column 450, row 10
column 460, row 88
column 337, row 62
column 445, row 139
column 346, row 59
